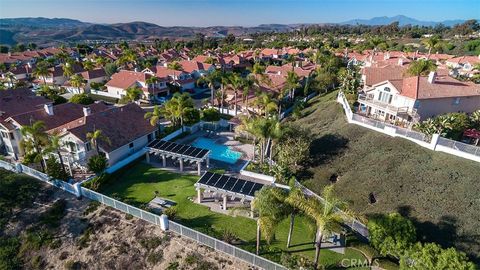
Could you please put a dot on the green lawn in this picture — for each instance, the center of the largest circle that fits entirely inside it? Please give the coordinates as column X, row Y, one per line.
column 438, row 191
column 137, row 185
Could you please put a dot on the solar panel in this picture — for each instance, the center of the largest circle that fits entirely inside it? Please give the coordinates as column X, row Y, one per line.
column 205, row 177
column 228, row 186
column 230, row 183
column 254, row 189
column 152, row 143
column 179, row 149
column 238, row 186
column 213, row 180
column 246, row 188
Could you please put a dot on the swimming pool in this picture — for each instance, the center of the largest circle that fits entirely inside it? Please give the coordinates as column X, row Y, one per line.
column 218, row 151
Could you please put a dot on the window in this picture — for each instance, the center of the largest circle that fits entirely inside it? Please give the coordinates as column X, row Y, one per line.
column 384, row 95
column 11, row 136
column 456, row 101
column 130, row 145
column 149, row 137
column 4, row 135
column 88, row 147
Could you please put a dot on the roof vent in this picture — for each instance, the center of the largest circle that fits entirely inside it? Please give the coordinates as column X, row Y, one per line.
column 87, row 111
column 48, row 108
column 432, row 76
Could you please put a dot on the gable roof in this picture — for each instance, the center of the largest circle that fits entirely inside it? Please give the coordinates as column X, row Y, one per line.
column 18, row 101
column 125, row 78
column 121, row 125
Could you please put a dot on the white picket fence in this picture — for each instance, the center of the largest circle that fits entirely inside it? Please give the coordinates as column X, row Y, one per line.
column 434, row 142
column 199, row 237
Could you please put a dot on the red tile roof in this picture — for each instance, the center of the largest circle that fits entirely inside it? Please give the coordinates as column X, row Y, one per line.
column 121, row 125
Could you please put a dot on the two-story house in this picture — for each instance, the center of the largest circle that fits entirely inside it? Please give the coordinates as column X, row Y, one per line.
column 119, row 83
column 176, row 77
column 415, row 98
column 15, row 102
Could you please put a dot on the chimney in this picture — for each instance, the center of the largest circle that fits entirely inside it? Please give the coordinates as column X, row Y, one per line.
column 87, row 111
column 431, row 76
column 48, row 108
column 400, row 61
column 386, row 56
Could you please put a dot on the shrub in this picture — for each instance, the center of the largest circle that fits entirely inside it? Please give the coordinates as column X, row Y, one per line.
column 391, row 234
column 55, row 169
column 155, row 257
column 37, row 262
column 97, row 164
column 191, row 116
column 173, row 266
column 151, row 243
column 228, row 236
column 171, row 212
column 83, row 99
column 9, row 247
column 210, row 115
column 92, row 207
column 54, row 214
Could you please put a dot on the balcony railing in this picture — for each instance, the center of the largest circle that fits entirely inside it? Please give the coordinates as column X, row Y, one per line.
column 369, row 100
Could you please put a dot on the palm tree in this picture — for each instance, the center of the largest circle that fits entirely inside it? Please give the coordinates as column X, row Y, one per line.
column 271, row 209
column 67, row 70
column 325, row 214
column 133, row 93
column 430, row 43
column 211, row 79
column 42, row 71
column 151, row 84
column 154, row 116
column 249, row 84
column 224, row 81
column 34, row 142
column 54, row 146
column 266, row 103
column 175, row 108
column 88, row 65
column 174, row 65
column 10, row 77
column 291, row 83
column 421, row 67
column 77, row 81
column 237, row 83
column 95, row 137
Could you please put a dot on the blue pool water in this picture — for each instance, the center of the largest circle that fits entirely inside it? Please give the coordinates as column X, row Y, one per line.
column 218, row 151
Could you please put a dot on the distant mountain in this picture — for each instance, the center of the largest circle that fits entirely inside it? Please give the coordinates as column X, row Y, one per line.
column 401, row 19
column 44, row 31
column 42, row 22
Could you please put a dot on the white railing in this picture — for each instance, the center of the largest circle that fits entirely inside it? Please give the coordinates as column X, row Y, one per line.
column 185, row 231
column 434, row 142
column 459, row 146
column 199, row 237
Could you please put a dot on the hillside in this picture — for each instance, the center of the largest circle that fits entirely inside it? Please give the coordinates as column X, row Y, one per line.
column 402, row 21
column 46, row 31
column 438, row 191
column 48, row 228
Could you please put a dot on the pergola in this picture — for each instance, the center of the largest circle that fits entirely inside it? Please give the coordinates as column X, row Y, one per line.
column 181, row 152
column 227, row 186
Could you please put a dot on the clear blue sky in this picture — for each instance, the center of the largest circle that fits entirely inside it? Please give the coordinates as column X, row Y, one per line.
column 237, row 12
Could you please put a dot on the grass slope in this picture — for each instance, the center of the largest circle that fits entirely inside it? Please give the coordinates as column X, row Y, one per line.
column 138, row 184
column 440, row 192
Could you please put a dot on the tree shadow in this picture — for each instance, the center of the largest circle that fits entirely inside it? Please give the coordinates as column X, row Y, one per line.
column 326, row 147
column 444, row 232
column 322, row 150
